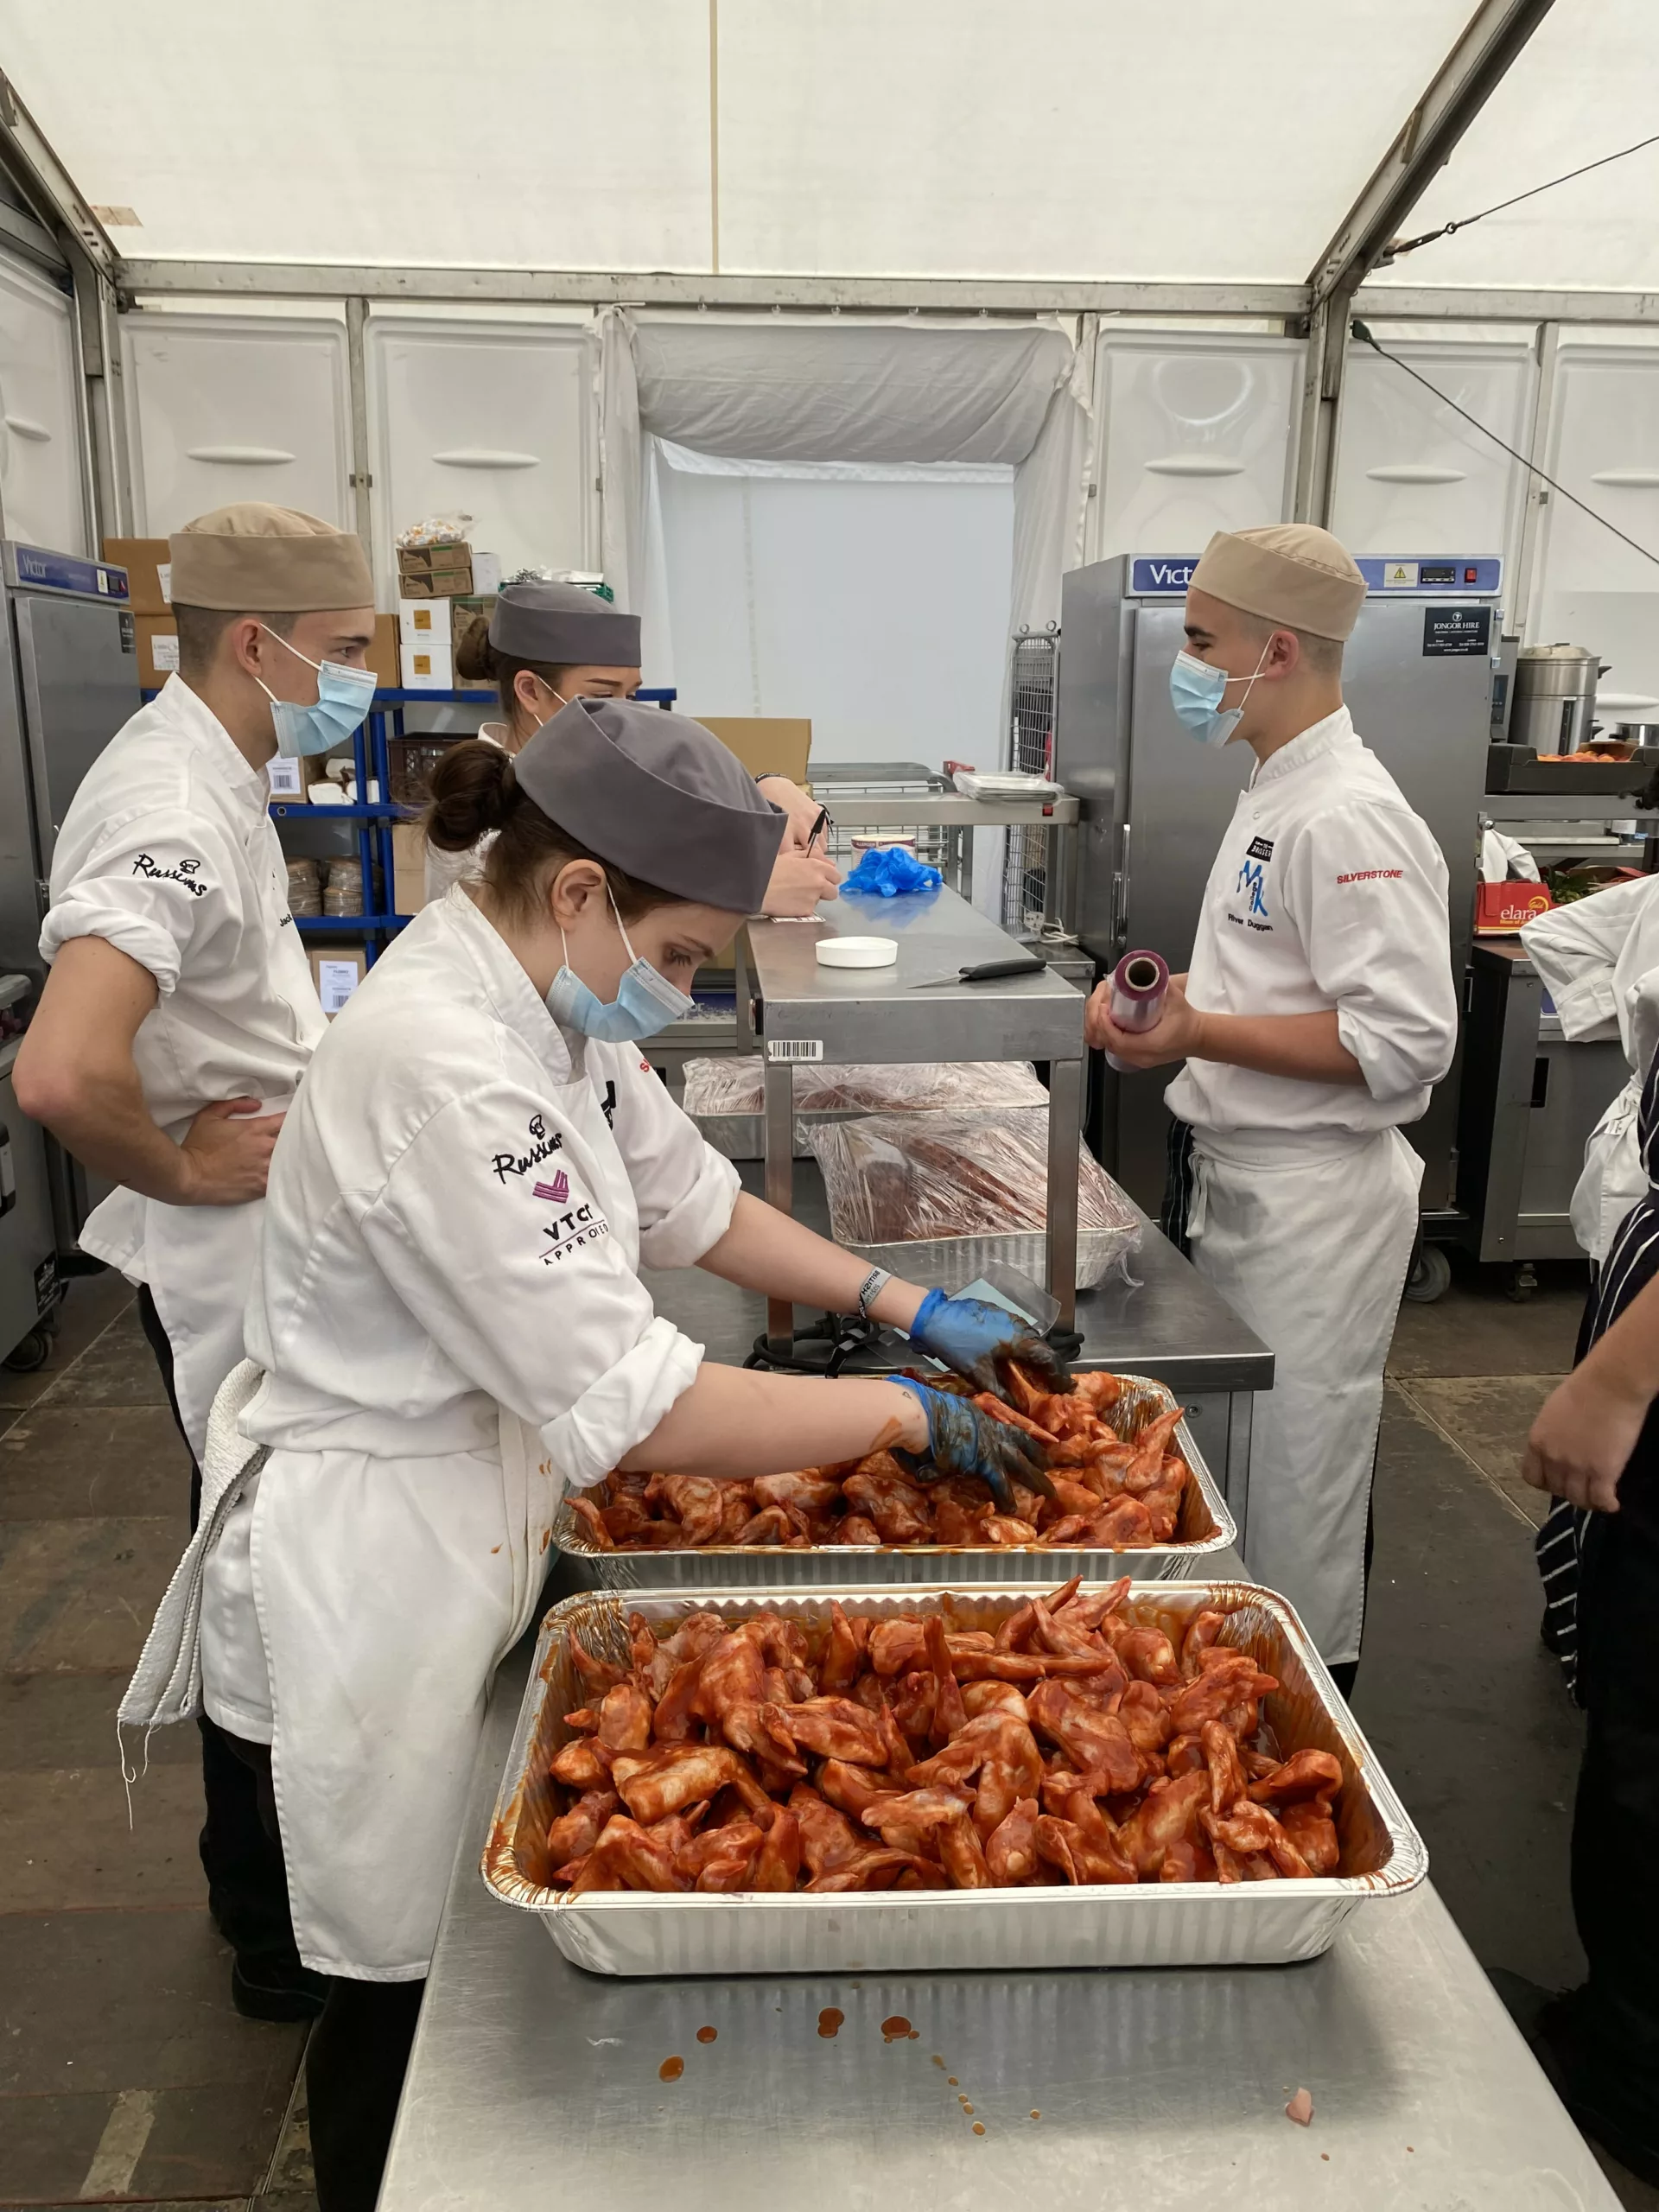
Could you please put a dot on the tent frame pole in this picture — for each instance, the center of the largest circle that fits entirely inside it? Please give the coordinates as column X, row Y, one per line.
column 1491, row 41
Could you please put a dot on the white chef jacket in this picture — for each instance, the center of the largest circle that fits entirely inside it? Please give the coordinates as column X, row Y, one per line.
column 1328, row 893
column 448, row 1307
column 169, row 853
column 1593, row 957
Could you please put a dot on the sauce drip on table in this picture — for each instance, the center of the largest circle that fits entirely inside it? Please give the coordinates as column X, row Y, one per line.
column 671, row 2069
column 829, row 2020
column 896, row 2028
column 707, row 2035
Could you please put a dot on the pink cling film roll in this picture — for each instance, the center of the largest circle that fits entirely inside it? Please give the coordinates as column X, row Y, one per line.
column 1140, row 985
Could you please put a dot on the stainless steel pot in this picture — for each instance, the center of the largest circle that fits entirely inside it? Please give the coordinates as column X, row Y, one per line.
column 1554, row 697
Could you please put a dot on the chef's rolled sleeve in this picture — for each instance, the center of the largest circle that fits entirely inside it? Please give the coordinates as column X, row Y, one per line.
column 1366, row 886
column 685, row 1189
column 1576, row 950
column 521, row 1282
column 157, row 888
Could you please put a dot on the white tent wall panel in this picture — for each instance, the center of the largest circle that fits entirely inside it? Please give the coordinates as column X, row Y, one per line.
column 1602, row 443
column 528, row 134
column 1194, row 434
column 980, row 137
column 1585, row 83
column 222, row 408
column 879, row 609
column 493, row 420
column 1411, row 475
column 42, row 471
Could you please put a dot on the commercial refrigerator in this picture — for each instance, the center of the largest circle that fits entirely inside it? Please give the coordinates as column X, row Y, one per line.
column 1417, row 675
column 68, row 680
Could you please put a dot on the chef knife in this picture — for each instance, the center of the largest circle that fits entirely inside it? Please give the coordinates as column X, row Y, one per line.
column 1024, row 963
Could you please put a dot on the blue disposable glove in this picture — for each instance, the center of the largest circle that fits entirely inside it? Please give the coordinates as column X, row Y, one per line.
column 971, row 1336
column 962, row 1441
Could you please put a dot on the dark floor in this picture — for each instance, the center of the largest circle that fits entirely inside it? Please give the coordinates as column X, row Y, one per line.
column 124, row 2075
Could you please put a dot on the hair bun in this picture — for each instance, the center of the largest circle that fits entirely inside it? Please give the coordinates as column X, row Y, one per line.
column 473, row 791
column 475, row 654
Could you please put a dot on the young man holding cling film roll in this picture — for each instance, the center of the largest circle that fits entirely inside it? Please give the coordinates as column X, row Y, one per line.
column 1318, row 1014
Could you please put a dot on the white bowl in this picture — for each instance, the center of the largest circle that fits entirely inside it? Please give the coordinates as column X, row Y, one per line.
column 857, row 951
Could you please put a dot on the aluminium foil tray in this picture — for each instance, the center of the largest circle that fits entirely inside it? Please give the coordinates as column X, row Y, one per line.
column 1152, row 1924
column 1204, row 1528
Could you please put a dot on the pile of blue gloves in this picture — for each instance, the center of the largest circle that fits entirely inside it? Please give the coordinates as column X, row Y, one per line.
column 891, row 871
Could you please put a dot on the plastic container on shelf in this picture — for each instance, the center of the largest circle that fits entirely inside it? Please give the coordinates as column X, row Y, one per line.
column 342, row 891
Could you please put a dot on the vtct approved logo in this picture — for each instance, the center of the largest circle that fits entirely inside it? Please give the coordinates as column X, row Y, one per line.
column 557, row 1191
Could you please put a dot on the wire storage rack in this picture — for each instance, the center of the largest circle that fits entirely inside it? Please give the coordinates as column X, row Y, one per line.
column 840, row 782
column 1033, row 683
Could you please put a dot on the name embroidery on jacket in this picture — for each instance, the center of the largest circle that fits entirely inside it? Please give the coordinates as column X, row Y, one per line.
column 541, row 1143
column 185, row 873
column 1373, row 875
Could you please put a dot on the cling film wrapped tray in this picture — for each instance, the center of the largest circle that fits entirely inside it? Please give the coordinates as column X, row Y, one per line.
column 958, row 1189
column 725, row 1097
column 1200, row 1923
column 1205, row 1526
column 738, row 1086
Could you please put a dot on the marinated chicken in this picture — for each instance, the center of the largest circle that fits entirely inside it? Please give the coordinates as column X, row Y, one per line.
column 1112, row 1492
column 1074, row 1743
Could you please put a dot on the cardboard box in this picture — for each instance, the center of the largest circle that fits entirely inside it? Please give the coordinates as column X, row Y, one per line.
column 149, row 572
column 382, row 653
column 428, row 667
column 424, row 621
column 408, row 868
column 433, row 560
column 767, row 744
column 337, row 971
column 157, row 637
column 1501, row 908
column 450, row 583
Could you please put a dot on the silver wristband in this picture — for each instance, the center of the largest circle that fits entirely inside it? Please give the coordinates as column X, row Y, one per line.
column 871, row 1286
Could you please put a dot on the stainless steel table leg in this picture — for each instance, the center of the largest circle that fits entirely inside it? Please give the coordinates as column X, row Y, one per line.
column 1064, row 1131
column 1235, row 1481
column 780, row 1185
column 742, row 984
column 965, row 863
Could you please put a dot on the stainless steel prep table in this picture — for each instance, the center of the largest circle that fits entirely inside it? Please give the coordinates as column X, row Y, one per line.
column 533, row 2084
column 824, row 1014
column 1169, row 1324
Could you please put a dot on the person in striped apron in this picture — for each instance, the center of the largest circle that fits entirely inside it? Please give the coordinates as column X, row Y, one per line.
column 1595, row 1444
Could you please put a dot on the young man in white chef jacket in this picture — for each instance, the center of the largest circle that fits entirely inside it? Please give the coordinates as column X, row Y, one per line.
column 1319, row 1013
column 181, row 1012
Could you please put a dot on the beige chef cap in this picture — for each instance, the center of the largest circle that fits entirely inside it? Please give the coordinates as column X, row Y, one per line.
column 1289, row 572
column 254, row 558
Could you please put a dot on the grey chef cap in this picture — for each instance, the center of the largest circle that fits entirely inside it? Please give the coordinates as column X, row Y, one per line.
column 658, row 795
column 564, row 624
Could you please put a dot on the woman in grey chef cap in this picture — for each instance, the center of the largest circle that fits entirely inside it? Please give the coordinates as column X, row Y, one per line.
column 546, row 644
column 448, row 1330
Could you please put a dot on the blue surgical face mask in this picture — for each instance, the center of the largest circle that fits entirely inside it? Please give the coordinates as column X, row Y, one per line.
column 344, row 696
column 1196, row 691
column 644, row 1001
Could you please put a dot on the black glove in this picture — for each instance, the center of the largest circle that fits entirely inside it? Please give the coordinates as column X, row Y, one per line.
column 962, row 1441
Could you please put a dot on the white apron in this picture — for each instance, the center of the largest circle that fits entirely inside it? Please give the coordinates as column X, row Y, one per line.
column 388, row 1590
column 1308, row 1241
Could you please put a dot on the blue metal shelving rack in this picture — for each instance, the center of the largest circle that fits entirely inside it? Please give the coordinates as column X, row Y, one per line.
column 375, row 817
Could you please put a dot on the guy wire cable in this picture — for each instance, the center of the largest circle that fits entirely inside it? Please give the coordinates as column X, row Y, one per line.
column 1462, row 223
column 1361, row 331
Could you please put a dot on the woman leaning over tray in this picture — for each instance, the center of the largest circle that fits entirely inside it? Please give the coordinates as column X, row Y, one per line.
column 447, row 1326
column 544, row 644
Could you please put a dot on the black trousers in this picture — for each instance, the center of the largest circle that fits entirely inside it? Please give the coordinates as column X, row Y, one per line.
column 1616, row 1819
column 358, row 2055
column 247, row 1888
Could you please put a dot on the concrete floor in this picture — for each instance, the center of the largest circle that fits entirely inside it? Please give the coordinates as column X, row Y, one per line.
column 124, row 2075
